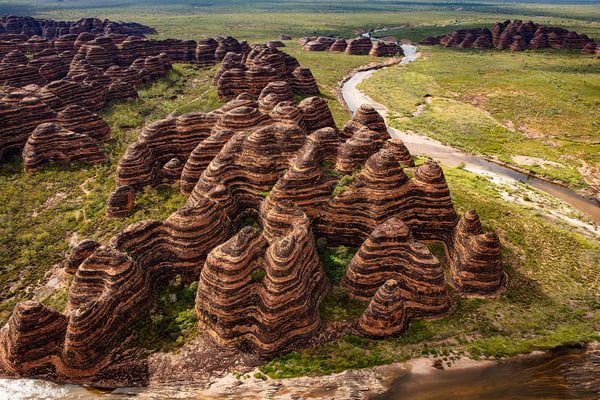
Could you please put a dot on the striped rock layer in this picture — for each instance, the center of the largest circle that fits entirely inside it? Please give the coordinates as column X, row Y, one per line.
column 514, row 35
column 52, row 143
column 251, row 71
column 271, row 313
column 93, row 64
column 357, row 46
column 260, row 290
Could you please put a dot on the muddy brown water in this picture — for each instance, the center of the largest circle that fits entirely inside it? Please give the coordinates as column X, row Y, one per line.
column 452, row 157
column 562, row 374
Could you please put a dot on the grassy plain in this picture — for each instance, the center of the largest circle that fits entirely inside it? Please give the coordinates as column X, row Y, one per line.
column 541, row 104
column 553, row 273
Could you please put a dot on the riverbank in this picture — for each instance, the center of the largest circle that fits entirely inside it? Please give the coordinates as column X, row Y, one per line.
column 572, row 372
column 351, row 97
column 534, row 110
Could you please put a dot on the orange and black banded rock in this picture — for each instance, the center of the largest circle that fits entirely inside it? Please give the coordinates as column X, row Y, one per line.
column 400, row 151
column 20, row 116
column 305, row 183
column 326, row 141
column 78, row 254
column 276, row 43
column 159, row 143
column 171, row 171
column 50, row 142
column 353, row 153
column 288, row 112
column 275, row 313
column 390, row 253
column 15, row 57
column 138, row 167
column 80, row 93
column 386, row 314
column 226, row 45
column 360, row 46
column 15, row 75
column 475, row 266
column 32, row 339
column 249, row 165
column 385, row 49
column 77, row 119
column 304, row 82
column 273, row 94
column 316, row 114
column 121, row 201
column 110, row 289
column 515, row 35
column 201, row 156
column 205, row 52
column 365, row 117
column 382, row 190
column 253, row 70
column 121, row 90
column 339, row 46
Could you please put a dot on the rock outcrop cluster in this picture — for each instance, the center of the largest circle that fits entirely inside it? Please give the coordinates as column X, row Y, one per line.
column 358, row 46
column 262, row 156
column 45, row 29
column 71, row 76
column 251, row 69
column 285, row 165
column 515, row 35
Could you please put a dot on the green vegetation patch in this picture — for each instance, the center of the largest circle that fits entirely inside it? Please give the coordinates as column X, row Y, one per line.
column 538, row 104
column 171, row 323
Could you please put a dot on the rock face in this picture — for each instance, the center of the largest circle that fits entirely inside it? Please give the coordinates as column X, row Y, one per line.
column 386, row 314
column 252, row 71
column 475, row 260
column 385, row 49
column 279, row 162
column 75, row 72
column 515, row 35
column 77, row 119
column 270, row 313
column 52, row 143
column 121, row 201
column 390, row 253
column 358, row 46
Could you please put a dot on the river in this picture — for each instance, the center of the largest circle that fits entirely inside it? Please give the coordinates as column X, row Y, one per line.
column 421, row 145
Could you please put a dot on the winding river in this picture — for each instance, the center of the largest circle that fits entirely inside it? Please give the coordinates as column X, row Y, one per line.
column 421, row 145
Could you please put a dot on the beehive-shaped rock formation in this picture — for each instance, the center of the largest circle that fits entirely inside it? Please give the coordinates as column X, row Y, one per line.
column 514, row 35
column 121, row 201
column 270, row 314
column 385, row 49
column 364, row 117
column 390, row 253
column 51, row 143
column 386, row 314
column 77, row 119
column 316, row 114
column 20, row 116
column 359, row 46
column 383, row 189
column 475, row 258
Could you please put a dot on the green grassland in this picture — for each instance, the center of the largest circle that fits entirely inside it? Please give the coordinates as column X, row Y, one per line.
column 553, row 295
column 541, row 104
